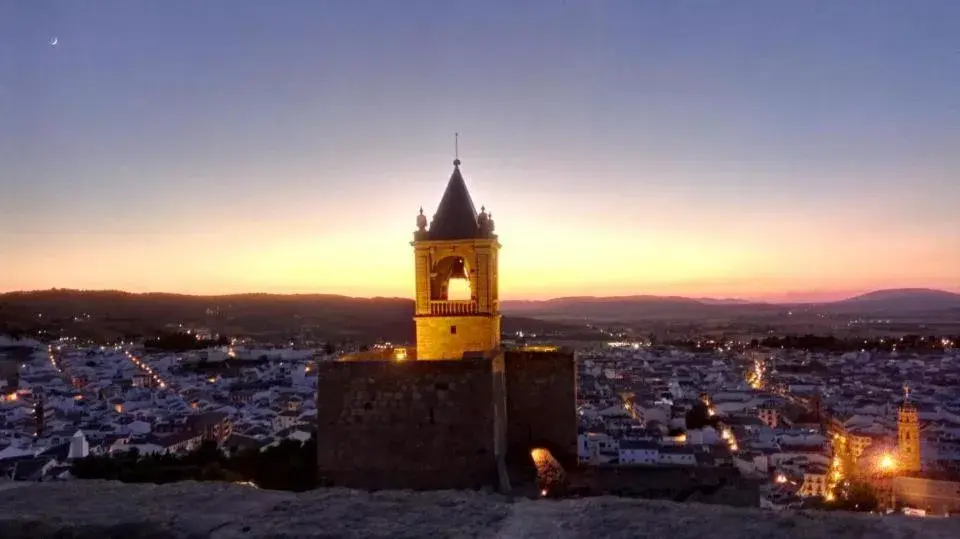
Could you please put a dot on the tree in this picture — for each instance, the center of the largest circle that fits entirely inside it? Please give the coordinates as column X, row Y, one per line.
column 290, row 465
column 698, row 417
column 857, row 496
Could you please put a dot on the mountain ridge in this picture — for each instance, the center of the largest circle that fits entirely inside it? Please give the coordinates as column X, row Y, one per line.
column 110, row 314
column 391, row 317
column 886, row 302
column 879, row 294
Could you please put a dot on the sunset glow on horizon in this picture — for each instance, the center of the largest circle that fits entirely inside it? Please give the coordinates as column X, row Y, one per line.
column 623, row 148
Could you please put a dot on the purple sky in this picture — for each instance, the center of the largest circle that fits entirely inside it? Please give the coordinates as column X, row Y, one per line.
column 749, row 148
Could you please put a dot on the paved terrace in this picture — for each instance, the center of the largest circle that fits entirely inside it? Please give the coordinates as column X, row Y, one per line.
column 100, row 509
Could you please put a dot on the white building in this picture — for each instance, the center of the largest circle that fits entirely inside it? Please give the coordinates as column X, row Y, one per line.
column 677, row 456
column 79, row 447
column 634, row 452
column 597, row 448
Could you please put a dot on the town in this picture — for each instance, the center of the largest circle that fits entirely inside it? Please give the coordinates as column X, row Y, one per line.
column 72, row 400
column 805, row 429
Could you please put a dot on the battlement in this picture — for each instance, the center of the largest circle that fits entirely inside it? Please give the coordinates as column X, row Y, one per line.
column 96, row 509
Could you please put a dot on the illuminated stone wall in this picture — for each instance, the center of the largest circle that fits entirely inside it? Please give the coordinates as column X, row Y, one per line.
column 477, row 332
column 436, row 340
column 408, row 424
column 542, row 402
column 935, row 497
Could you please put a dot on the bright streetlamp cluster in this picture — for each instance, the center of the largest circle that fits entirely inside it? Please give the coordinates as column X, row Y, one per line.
column 148, row 369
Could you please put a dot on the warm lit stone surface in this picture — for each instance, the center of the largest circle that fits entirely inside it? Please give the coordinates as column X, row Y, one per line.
column 96, row 509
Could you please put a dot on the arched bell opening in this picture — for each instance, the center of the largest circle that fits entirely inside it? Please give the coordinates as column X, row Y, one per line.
column 451, row 280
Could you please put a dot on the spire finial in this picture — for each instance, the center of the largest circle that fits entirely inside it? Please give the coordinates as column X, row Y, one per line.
column 906, row 393
column 456, row 149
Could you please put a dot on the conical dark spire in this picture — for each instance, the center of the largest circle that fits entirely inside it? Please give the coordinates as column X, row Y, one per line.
column 456, row 217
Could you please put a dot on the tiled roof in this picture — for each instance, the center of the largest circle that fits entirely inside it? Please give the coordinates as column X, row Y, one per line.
column 456, row 217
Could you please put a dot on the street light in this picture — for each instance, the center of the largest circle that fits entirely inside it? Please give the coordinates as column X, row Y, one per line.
column 887, row 463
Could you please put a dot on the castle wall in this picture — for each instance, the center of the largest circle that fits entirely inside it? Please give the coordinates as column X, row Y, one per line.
column 542, row 402
column 408, row 424
column 938, row 497
column 435, row 340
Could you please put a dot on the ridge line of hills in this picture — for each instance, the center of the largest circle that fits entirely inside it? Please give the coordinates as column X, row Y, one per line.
column 343, row 318
column 895, row 294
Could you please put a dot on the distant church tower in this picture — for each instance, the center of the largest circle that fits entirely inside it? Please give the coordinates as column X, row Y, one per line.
column 908, row 435
column 457, row 295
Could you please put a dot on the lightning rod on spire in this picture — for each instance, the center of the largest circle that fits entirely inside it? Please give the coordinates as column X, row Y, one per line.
column 456, row 149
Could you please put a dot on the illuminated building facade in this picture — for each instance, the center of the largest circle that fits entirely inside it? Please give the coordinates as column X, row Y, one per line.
column 457, row 307
column 908, row 438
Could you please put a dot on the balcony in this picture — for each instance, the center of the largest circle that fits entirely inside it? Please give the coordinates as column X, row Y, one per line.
column 454, row 308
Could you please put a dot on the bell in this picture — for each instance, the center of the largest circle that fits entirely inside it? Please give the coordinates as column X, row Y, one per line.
column 458, row 271
column 458, row 286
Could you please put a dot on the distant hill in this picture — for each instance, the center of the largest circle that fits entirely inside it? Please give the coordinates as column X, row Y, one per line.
column 633, row 308
column 113, row 314
column 899, row 300
column 94, row 314
column 725, row 301
column 882, row 302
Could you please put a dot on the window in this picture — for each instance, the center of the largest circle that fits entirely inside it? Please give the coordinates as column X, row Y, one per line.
column 453, row 330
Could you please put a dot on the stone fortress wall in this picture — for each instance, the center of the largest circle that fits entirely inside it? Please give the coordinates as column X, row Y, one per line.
column 442, row 423
column 937, row 497
column 542, row 402
column 406, row 424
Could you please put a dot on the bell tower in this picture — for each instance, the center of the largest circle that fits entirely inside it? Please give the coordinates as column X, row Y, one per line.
column 908, row 435
column 457, row 296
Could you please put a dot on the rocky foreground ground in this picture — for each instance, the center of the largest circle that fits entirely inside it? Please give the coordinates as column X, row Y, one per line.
column 101, row 510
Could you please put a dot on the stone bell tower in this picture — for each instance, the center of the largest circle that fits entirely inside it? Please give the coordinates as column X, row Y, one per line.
column 908, row 435
column 457, row 296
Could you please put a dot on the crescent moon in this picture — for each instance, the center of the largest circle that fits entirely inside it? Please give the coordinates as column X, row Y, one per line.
column 54, row 41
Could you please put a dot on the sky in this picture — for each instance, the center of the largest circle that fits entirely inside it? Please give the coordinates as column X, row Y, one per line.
column 751, row 149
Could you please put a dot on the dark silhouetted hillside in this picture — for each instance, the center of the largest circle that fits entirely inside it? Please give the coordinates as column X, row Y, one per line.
column 109, row 315
column 887, row 303
column 899, row 300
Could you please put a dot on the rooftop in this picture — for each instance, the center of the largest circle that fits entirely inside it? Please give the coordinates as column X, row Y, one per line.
column 456, row 217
